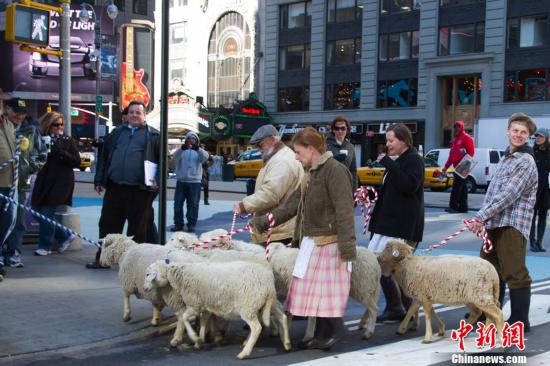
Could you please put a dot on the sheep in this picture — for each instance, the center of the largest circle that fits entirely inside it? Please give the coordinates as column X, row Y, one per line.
column 231, row 289
column 460, row 280
column 243, row 246
column 207, row 236
column 364, row 288
column 133, row 260
column 182, row 239
column 169, row 295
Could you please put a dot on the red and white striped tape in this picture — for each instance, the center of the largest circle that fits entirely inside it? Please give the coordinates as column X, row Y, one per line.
column 362, row 198
column 487, row 244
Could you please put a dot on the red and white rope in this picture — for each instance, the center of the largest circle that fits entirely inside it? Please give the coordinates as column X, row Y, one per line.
column 271, row 222
column 487, row 244
column 362, row 198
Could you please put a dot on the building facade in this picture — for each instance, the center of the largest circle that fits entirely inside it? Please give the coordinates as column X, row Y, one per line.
column 426, row 63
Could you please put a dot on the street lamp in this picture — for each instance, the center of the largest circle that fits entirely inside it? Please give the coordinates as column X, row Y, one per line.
column 112, row 12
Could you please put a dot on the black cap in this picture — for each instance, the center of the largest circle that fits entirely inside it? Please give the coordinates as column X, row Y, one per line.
column 17, row 104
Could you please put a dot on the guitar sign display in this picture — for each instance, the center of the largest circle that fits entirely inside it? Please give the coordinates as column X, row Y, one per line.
column 132, row 87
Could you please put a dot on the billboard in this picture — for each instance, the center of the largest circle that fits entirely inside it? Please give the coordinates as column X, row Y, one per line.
column 34, row 72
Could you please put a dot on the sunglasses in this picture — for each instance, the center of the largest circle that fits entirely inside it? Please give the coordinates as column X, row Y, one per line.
column 57, row 125
column 343, row 128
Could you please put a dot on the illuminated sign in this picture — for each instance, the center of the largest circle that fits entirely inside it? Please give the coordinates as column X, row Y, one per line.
column 27, row 25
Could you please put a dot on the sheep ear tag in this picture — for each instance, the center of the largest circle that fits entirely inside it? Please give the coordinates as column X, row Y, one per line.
column 395, row 253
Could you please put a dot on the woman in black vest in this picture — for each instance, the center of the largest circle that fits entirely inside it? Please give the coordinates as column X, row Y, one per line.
column 399, row 211
column 542, row 158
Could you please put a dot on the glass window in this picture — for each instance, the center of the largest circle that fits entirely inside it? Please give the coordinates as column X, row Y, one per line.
column 343, row 11
column 295, row 15
column 294, row 57
column 293, row 99
column 383, row 47
column 397, row 93
column 177, row 69
column 528, row 31
column 526, row 85
column 462, row 38
column 344, row 51
column 342, row 95
column 458, row 2
column 398, row 46
column 178, row 32
column 331, row 11
column 139, row 7
column 398, row 6
column 415, row 44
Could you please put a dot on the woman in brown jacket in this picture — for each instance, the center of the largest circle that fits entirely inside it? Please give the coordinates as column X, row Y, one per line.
column 325, row 234
column 55, row 182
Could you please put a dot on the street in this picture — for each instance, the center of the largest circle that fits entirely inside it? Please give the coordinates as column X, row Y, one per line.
column 64, row 314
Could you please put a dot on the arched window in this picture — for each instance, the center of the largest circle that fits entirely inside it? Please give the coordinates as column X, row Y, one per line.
column 229, row 60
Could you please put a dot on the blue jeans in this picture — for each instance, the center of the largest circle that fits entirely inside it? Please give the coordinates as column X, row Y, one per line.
column 47, row 230
column 7, row 218
column 190, row 192
column 14, row 241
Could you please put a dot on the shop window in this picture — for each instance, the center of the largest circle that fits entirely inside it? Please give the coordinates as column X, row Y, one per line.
column 139, row 7
column 177, row 69
column 398, row 6
column 399, row 46
column 344, row 52
column 464, row 38
column 297, row 15
column 343, row 11
column 178, row 3
column 458, row 2
column 120, row 4
column 529, row 31
column 178, row 33
column 342, row 95
column 397, row 93
column 526, row 85
column 294, row 57
column 293, row 99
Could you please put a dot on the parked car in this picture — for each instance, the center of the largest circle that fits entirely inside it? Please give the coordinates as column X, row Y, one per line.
column 248, row 164
column 434, row 178
column 41, row 65
column 487, row 160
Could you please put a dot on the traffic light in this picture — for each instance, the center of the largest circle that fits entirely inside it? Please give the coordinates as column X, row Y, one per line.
column 27, row 25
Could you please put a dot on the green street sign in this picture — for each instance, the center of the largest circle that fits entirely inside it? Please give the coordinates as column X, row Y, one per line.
column 99, row 104
column 74, row 112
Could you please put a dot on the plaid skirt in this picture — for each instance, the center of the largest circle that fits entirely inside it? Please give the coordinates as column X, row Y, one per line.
column 324, row 290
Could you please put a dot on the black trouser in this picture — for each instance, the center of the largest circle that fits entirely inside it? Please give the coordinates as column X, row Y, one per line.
column 205, row 188
column 538, row 226
column 459, row 194
column 152, row 231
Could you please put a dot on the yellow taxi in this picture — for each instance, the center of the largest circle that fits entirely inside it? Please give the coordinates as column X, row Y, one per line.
column 248, row 164
column 434, row 178
column 86, row 160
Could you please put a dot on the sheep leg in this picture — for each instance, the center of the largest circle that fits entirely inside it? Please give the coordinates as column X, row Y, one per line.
column 204, row 319
column 440, row 324
column 427, row 305
column 180, row 330
column 475, row 313
column 414, row 325
column 410, row 313
column 277, row 311
column 127, row 315
column 369, row 318
column 274, row 329
column 155, row 320
column 255, row 330
column 310, row 329
column 187, row 314
column 494, row 313
column 215, row 330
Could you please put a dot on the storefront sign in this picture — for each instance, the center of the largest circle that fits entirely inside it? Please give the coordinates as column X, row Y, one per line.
column 356, row 129
column 285, row 130
column 220, row 125
column 381, row 127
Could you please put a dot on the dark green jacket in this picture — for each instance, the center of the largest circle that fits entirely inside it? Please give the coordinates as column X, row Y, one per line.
column 34, row 158
column 323, row 208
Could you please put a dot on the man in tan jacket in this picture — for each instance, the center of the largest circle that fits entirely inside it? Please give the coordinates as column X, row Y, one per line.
column 277, row 180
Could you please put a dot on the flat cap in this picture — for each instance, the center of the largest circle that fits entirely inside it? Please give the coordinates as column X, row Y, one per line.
column 263, row 132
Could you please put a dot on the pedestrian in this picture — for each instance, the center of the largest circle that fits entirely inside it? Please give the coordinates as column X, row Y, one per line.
column 340, row 146
column 7, row 151
column 399, row 211
column 128, row 151
column 325, row 234
column 461, row 145
column 31, row 160
column 54, row 184
column 277, row 180
column 542, row 159
column 206, row 177
column 188, row 159
column 507, row 213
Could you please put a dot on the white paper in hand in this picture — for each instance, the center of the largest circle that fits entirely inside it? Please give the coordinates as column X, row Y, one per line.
column 302, row 260
column 150, row 173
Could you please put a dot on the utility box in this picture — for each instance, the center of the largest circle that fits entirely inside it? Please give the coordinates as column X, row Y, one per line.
column 66, row 216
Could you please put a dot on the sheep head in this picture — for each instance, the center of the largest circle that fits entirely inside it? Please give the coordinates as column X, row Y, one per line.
column 113, row 247
column 392, row 255
column 182, row 239
column 155, row 275
column 223, row 242
column 273, row 247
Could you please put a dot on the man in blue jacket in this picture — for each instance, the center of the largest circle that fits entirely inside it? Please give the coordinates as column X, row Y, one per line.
column 188, row 160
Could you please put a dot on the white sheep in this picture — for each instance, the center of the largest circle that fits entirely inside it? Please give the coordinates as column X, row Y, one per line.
column 133, row 260
column 365, row 277
column 446, row 279
column 182, row 239
column 218, row 243
column 243, row 246
column 232, row 289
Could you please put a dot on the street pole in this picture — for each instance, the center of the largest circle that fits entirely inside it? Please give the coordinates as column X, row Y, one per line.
column 163, row 121
column 65, row 66
column 97, row 44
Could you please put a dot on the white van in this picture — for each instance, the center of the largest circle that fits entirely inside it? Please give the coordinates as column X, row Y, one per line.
column 480, row 177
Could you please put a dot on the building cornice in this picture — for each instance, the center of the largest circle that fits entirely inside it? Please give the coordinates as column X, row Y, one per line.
column 464, row 59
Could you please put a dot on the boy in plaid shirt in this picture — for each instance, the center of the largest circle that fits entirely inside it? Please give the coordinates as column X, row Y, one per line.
column 507, row 212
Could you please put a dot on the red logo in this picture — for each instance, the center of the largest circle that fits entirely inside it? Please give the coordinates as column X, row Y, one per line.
column 487, row 335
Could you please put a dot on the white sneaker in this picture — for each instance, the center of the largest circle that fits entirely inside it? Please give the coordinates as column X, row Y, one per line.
column 42, row 252
column 65, row 245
